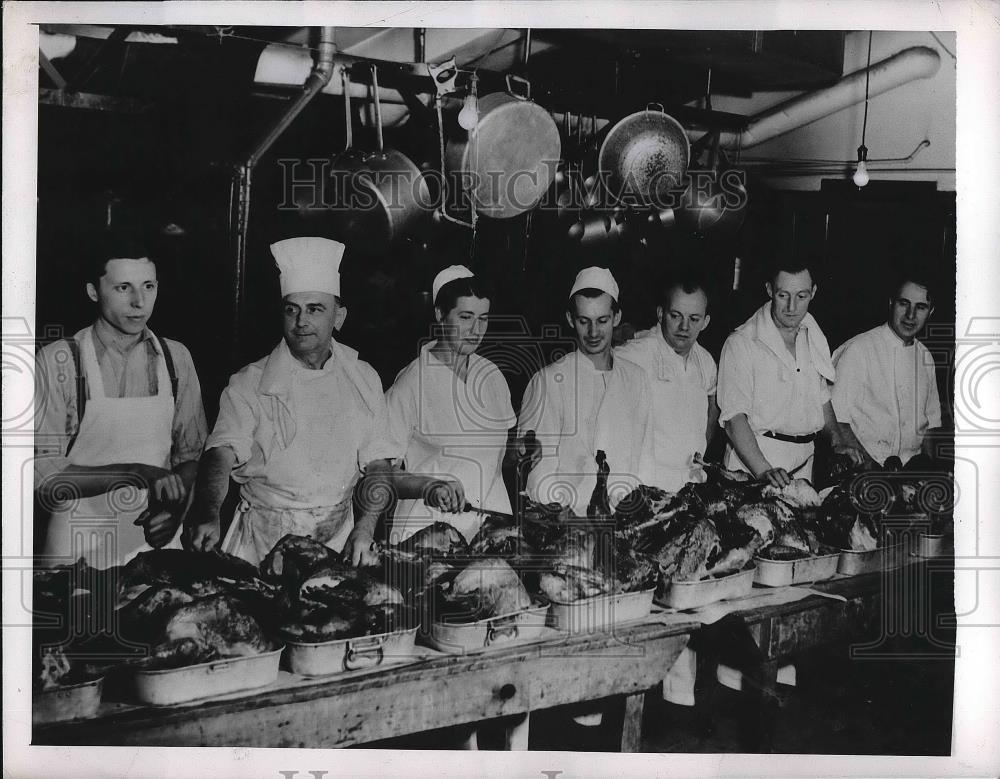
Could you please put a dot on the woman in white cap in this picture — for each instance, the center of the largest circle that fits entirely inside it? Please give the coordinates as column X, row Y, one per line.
column 450, row 409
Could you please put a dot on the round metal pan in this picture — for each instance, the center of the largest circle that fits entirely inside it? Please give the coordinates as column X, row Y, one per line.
column 643, row 158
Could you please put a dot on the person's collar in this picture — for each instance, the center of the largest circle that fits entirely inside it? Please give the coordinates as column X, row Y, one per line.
column 109, row 338
column 281, row 365
column 669, row 351
column 893, row 339
column 588, row 364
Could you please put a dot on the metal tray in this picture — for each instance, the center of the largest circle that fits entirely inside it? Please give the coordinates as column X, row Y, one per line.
column 884, row 558
column 219, row 677
column 781, row 573
column 485, row 633
column 934, row 545
column 691, row 595
column 60, row 704
column 349, row 654
column 601, row 612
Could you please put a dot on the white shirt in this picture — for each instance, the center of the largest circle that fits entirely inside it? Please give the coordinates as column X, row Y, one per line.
column 450, row 427
column 887, row 391
column 302, row 436
column 759, row 377
column 680, row 389
column 575, row 410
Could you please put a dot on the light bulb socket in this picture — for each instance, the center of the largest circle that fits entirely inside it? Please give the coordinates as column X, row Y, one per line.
column 862, row 153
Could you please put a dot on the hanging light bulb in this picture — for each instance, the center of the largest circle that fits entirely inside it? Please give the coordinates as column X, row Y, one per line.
column 861, row 173
column 468, row 117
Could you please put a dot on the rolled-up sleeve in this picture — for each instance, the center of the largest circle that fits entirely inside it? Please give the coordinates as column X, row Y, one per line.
column 190, row 428
column 55, row 409
column 237, row 420
column 735, row 379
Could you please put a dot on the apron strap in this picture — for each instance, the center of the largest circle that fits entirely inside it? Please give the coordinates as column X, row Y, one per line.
column 171, row 371
column 81, row 388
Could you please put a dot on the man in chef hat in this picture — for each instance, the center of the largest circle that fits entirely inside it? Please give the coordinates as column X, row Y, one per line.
column 586, row 401
column 297, row 429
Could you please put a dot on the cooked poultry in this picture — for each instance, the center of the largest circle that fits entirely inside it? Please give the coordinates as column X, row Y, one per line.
column 684, row 555
column 483, row 589
column 499, row 537
column 221, row 622
column 437, row 540
column 568, row 583
column 295, row 556
column 176, row 653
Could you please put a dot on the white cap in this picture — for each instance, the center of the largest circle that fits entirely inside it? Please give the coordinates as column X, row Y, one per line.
column 308, row 265
column 450, row 273
column 595, row 278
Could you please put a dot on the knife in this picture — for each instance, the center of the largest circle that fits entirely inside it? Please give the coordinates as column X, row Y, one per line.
column 487, row 512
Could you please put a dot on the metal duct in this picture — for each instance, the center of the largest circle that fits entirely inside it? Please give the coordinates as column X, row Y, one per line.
column 901, row 68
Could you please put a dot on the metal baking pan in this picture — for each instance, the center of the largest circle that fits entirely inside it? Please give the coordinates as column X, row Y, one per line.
column 168, row 686
column 934, row 545
column 781, row 573
column 884, row 558
column 61, row 704
column 601, row 612
column 349, row 654
column 484, row 633
column 692, row 595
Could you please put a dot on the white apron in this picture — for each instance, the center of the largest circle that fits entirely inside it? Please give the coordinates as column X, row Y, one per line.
column 781, row 454
column 256, row 529
column 113, row 430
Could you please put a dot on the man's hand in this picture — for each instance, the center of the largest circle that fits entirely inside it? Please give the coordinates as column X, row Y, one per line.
column 158, row 525
column 203, row 537
column 528, row 452
column 445, row 495
column 856, row 456
column 359, row 548
column 777, row 477
column 164, row 486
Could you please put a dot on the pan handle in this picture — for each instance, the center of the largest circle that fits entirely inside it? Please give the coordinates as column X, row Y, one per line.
column 345, row 80
column 649, row 106
column 510, row 77
column 378, row 109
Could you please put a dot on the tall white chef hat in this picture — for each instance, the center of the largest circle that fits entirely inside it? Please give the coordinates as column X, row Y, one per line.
column 595, row 278
column 309, row 264
column 449, row 274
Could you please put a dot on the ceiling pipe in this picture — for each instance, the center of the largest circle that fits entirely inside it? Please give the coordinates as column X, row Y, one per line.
column 901, row 68
column 320, row 76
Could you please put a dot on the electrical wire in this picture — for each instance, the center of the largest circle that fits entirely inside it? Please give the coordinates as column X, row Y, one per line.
column 868, row 72
column 939, row 43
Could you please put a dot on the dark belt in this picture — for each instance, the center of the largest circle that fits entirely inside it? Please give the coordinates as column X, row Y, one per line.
column 792, row 439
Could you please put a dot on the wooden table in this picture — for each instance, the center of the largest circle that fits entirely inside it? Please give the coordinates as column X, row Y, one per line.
column 443, row 691
column 389, row 702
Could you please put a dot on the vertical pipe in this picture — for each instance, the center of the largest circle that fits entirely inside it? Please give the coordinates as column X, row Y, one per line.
column 318, row 78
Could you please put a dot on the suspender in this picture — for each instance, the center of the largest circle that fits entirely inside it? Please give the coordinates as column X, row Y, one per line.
column 81, row 381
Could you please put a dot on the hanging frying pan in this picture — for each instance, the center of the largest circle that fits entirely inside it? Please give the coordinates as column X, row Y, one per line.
column 383, row 195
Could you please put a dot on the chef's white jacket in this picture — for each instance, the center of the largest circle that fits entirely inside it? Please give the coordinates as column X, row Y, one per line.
column 302, row 436
column 887, row 391
column 447, row 427
column 680, row 390
column 576, row 410
column 779, row 393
